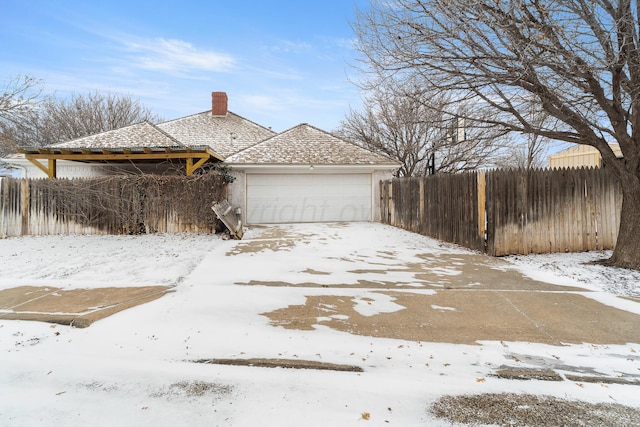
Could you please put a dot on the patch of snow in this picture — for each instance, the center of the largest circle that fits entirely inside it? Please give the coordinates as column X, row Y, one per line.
column 373, row 303
column 133, row 368
column 437, row 307
column 580, row 269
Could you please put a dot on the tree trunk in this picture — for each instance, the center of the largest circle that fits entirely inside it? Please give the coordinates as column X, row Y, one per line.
column 627, row 251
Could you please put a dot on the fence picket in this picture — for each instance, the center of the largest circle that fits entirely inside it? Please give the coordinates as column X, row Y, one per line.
column 506, row 212
column 109, row 205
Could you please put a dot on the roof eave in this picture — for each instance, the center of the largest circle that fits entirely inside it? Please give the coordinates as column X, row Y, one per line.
column 314, row 167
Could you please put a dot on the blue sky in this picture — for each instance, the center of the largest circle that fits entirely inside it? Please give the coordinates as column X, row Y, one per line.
column 282, row 62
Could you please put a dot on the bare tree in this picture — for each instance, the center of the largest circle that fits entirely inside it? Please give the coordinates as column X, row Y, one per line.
column 35, row 120
column 19, row 100
column 526, row 154
column 411, row 126
column 397, row 126
column 88, row 114
column 527, row 151
column 579, row 60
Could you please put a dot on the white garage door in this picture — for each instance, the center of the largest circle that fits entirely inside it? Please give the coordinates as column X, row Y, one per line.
column 290, row 198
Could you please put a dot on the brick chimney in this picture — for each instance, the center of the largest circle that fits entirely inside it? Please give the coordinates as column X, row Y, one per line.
column 219, row 102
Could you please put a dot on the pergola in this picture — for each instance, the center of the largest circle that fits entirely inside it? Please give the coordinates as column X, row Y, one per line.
column 195, row 157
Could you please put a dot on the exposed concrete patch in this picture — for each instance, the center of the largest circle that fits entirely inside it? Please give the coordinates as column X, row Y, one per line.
column 527, row 374
column 575, row 373
column 603, row 380
column 75, row 307
column 284, row 363
column 442, row 271
column 513, row 373
column 544, row 317
column 476, row 271
column 320, row 273
column 255, row 246
column 270, row 238
column 360, row 284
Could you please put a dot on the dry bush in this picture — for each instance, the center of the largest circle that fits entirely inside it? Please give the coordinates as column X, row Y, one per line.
column 131, row 204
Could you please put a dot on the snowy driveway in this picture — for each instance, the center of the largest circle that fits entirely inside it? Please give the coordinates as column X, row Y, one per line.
column 373, row 281
column 421, row 318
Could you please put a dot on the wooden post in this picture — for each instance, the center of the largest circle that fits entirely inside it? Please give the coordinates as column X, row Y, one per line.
column 421, row 219
column 24, row 204
column 383, row 193
column 191, row 167
column 52, row 168
column 482, row 201
column 391, row 213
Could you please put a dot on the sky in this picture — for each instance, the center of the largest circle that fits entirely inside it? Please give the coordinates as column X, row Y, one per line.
column 281, row 62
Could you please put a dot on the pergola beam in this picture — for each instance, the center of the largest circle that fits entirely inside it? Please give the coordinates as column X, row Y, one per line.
column 49, row 170
column 191, row 167
column 86, row 155
column 118, row 156
column 195, row 157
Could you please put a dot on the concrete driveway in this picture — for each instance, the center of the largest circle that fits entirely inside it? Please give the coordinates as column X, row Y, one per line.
column 396, row 321
column 433, row 293
column 359, row 278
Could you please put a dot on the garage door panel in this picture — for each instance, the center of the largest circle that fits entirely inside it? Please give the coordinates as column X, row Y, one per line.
column 308, row 198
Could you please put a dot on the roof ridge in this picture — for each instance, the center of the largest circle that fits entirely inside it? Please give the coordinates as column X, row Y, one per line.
column 264, row 140
column 183, row 117
column 209, row 111
column 167, row 134
column 343, row 140
column 306, row 134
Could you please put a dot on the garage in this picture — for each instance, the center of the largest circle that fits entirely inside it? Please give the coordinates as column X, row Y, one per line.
column 288, row 198
column 305, row 174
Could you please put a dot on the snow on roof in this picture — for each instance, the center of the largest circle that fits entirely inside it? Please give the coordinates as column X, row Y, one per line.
column 306, row 144
column 235, row 139
column 225, row 135
column 142, row 134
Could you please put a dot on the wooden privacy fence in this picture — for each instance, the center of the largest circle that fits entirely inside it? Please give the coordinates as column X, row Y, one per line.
column 505, row 212
column 439, row 206
column 132, row 204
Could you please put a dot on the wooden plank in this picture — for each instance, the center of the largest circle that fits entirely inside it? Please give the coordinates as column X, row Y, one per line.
column 481, row 204
column 224, row 212
column 24, row 204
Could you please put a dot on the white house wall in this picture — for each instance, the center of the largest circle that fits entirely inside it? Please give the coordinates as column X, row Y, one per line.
column 237, row 190
column 70, row 169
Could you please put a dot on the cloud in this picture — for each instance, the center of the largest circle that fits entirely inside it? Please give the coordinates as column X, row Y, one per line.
column 288, row 46
column 176, row 56
column 346, row 43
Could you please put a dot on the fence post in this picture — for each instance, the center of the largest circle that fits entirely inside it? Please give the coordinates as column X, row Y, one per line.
column 392, row 216
column 421, row 219
column 24, row 204
column 3, row 209
column 482, row 201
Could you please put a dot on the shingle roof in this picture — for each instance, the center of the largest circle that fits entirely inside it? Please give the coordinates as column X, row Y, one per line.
column 235, row 139
column 138, row 135
column 225, row 135
column 306, row 144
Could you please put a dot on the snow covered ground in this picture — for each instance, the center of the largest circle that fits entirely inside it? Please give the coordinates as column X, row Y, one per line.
column 137, row 366
column 582, row 269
